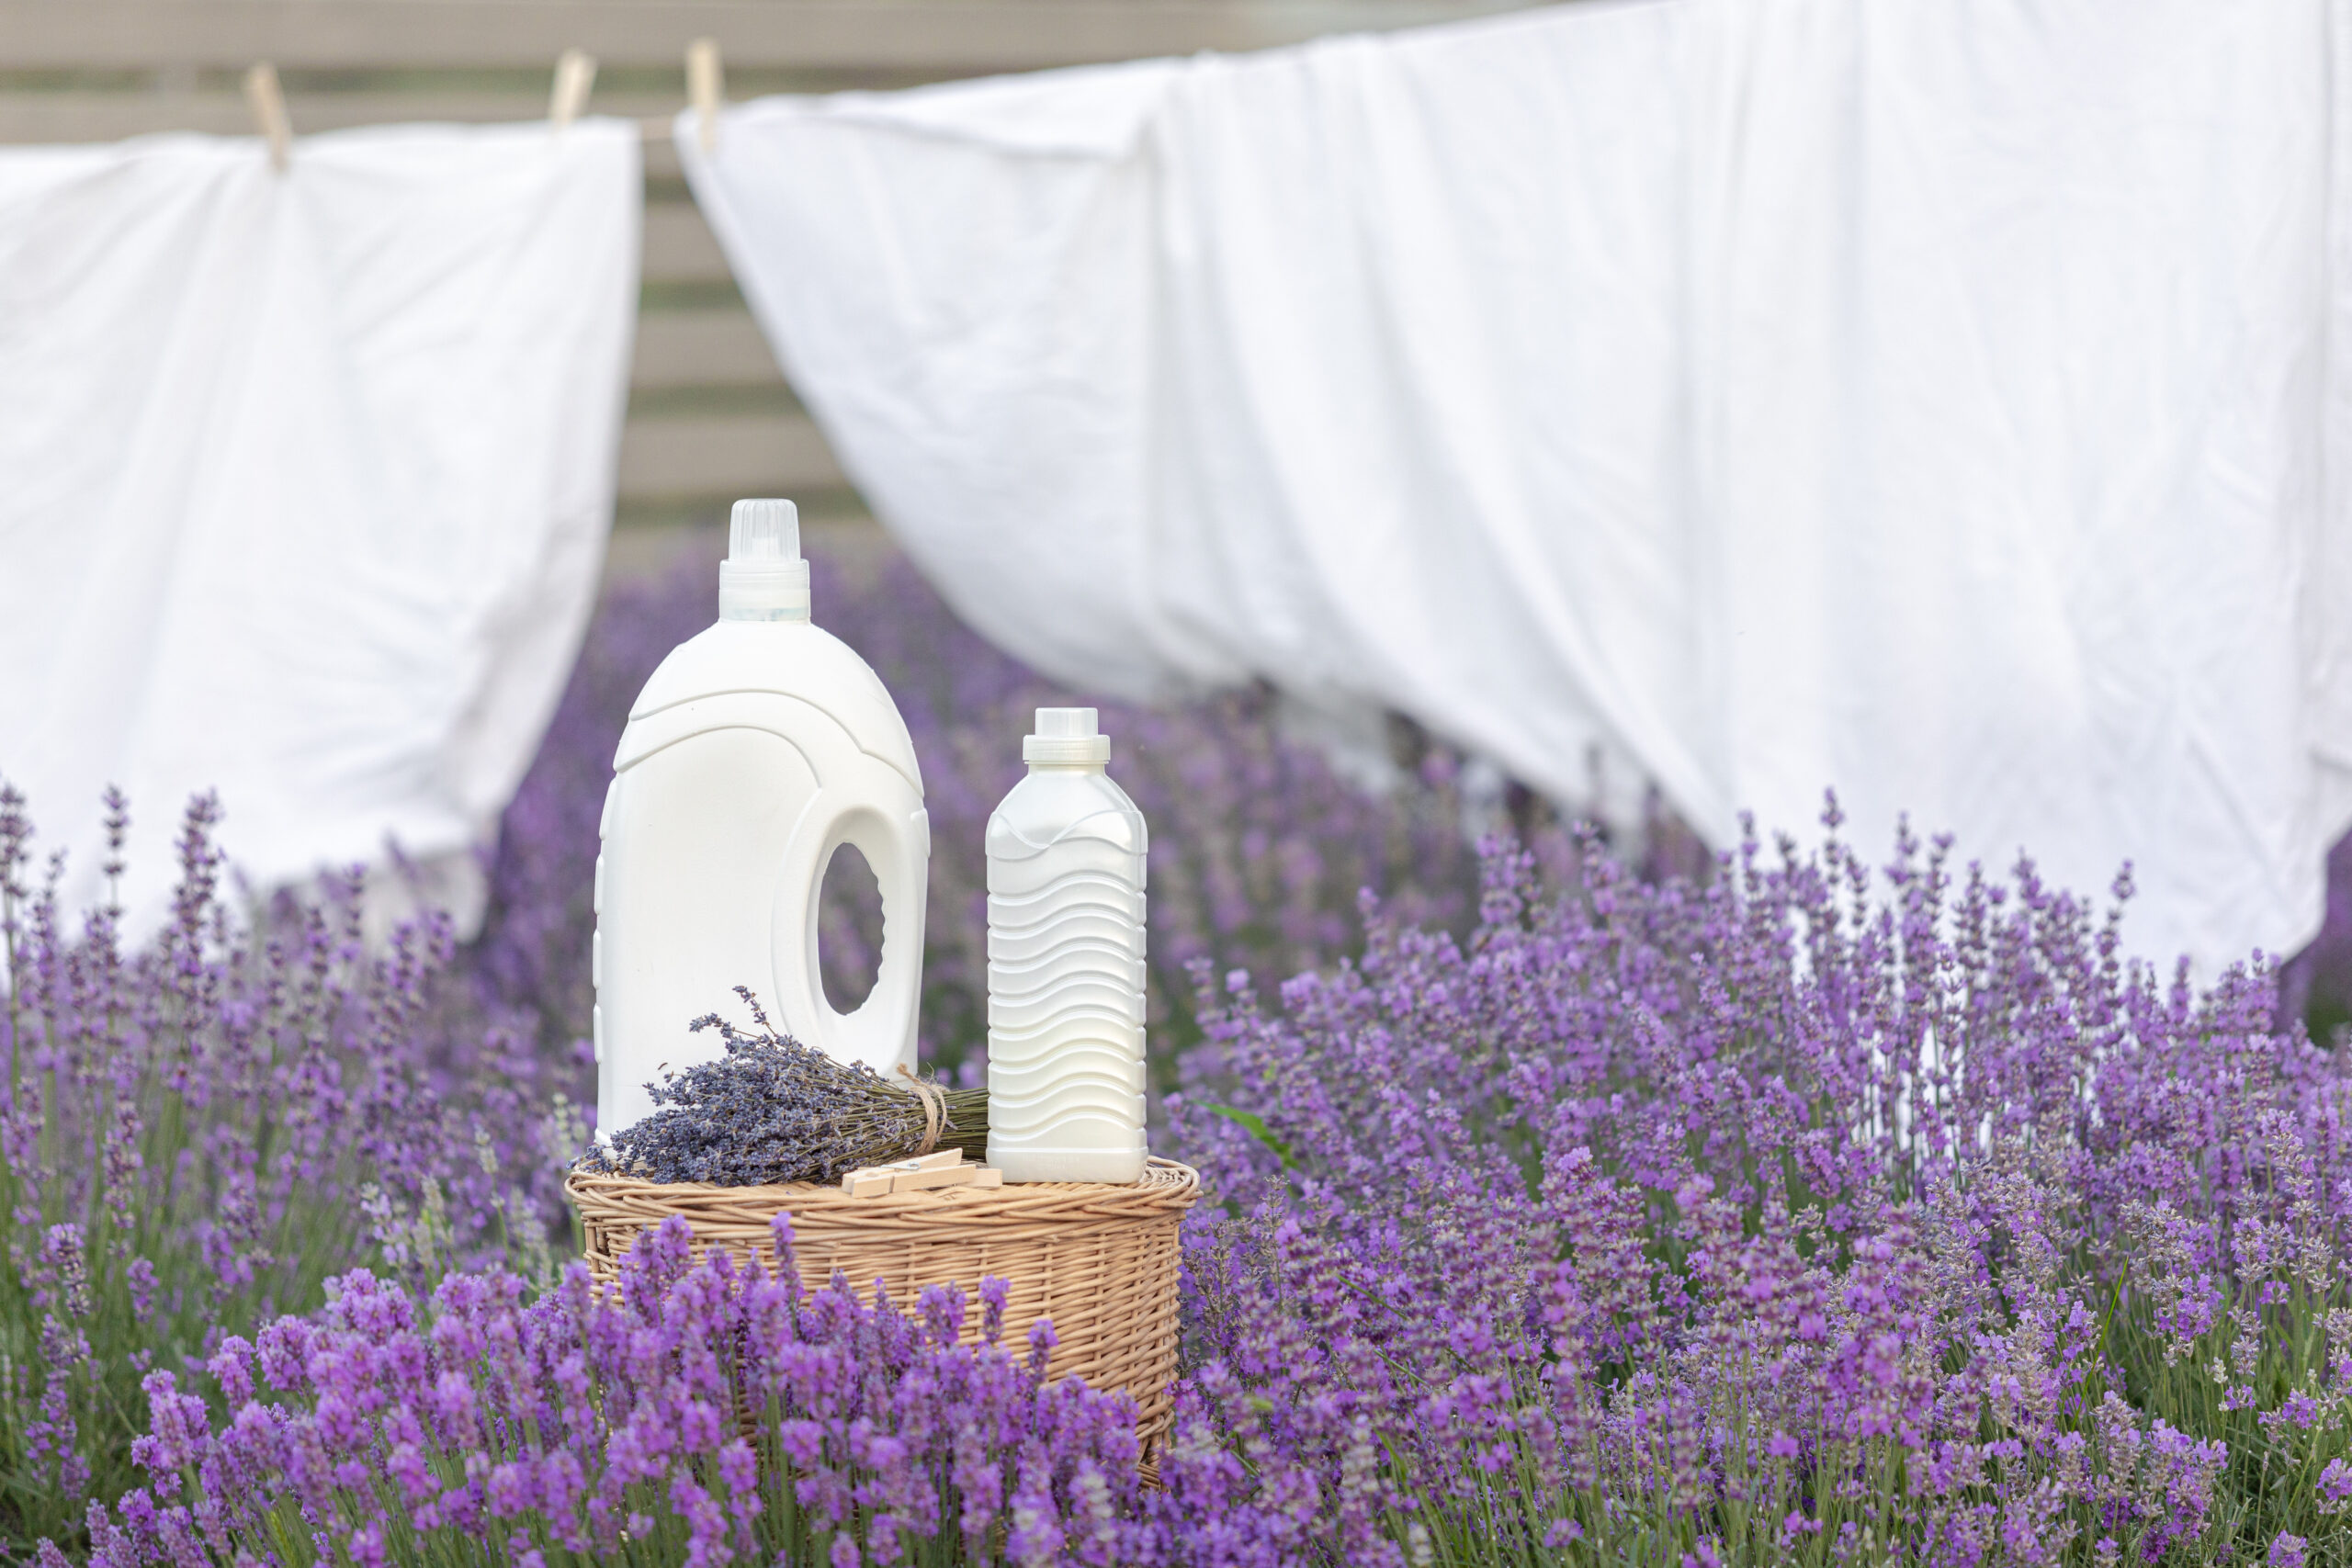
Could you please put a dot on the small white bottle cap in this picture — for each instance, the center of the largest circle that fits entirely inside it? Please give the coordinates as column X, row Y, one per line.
column 1067, row 736
column 763, row 577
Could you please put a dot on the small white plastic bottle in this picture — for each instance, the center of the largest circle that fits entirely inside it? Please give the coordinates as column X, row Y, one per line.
column 758, row 748
column 1066, row 964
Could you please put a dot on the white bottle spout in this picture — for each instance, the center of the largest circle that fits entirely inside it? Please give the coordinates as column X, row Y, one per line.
column 1066, row 738
column 763, row 577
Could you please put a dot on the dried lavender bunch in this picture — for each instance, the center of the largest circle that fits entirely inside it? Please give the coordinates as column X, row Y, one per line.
column 772, row 1109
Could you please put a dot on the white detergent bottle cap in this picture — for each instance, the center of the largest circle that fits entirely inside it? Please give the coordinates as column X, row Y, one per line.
column 763, row 577
column 1067, row 737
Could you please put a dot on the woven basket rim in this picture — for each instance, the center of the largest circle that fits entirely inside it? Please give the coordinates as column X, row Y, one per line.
column 1165, row 1186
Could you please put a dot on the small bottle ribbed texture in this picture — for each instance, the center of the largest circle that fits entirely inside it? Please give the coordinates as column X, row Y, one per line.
column 1065, row 978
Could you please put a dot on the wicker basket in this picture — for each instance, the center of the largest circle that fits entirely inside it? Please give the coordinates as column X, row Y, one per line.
column 1099, row 1260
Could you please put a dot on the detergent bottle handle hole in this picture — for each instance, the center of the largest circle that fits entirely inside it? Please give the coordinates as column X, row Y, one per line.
column 849, row 929
column 880, row 1031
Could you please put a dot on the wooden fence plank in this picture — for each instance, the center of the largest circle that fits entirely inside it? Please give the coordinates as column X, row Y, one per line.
column 680, row 247
column 961, row 36
column 701, row 348
column 725, row 454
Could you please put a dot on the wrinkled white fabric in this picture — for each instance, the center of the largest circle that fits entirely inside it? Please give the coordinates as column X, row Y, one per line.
column 307, row 481
column 1946, row 402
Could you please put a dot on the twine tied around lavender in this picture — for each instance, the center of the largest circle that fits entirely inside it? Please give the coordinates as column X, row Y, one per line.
column 771, row 1110
column 934, row 1108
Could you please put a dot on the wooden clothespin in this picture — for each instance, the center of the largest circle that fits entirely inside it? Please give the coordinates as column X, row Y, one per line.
column 575, row 73
column 945, row 1169
column 268, row 104
column 706, row 85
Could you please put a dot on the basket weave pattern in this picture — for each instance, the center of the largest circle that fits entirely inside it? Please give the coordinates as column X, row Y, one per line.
column 1099, row 1260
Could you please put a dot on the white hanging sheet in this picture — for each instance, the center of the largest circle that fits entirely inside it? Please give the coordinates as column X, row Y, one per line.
column 1944, row 402
column 308, row 478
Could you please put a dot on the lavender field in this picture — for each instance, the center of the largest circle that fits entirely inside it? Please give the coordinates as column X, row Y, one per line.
column 1832, row 1203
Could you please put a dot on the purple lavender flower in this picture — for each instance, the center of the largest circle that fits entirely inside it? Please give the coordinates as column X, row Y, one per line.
column 429, row 1436
column 194, row 1137
column 1809, row 1203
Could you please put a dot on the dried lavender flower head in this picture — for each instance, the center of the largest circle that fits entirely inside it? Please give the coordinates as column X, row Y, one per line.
column 772, row 1109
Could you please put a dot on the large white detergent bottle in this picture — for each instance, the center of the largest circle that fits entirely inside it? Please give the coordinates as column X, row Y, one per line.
column 1066, row 964
column 758, row 748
